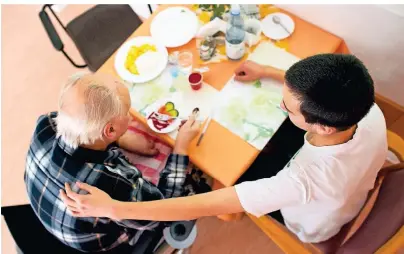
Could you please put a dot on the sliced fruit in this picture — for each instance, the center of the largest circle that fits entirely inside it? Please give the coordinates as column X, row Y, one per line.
column 162, row 110
column 173, row 113
column 169, row 106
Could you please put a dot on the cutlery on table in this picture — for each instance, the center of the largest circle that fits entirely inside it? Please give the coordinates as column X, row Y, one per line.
column 204, row 130
column 277, row 20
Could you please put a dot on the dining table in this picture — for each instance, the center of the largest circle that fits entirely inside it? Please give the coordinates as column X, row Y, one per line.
column 223, row 155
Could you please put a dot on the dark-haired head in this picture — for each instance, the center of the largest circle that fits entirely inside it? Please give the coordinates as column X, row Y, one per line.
column 332, row 91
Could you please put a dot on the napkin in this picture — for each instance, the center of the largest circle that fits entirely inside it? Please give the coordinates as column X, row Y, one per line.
column 212, row 27
column 219, row 25
column 149, row 166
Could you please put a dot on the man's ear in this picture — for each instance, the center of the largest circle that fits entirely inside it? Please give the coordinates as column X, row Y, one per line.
column 109, row 131
column 324, row 130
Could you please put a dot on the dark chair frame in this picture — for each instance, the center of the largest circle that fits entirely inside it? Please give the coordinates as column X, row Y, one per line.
column 53, row 34
column 15, row 215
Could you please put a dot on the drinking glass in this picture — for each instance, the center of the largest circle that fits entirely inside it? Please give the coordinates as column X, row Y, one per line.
column 185, row 62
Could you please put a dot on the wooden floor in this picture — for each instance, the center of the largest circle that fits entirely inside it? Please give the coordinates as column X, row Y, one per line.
column 32, row 73
column 240, row 237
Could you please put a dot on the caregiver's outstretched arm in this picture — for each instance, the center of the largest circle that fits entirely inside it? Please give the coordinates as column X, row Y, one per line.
column 99, row 204
column 251, row 71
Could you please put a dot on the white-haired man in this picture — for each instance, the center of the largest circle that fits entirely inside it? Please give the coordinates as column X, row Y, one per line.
column 80, row 143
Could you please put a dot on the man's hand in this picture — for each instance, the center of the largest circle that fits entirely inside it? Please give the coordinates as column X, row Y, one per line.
column 95, row 204
column 249, row 71
column 186, row 134
column 137, row 143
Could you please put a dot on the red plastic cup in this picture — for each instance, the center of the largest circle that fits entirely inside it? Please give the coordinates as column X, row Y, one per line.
column 195, row 79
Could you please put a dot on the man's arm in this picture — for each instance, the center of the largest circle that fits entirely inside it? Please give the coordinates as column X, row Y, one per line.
column 223, row 201
column 137, row 142
column 129, row 186
column 172, row 177
column 271, row 72
column 251, row 71
column 289, row 187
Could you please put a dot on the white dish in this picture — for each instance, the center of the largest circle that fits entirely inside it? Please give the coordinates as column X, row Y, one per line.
column 276, row 31
column 142, row 77
column 174, row 27
column 154, row 108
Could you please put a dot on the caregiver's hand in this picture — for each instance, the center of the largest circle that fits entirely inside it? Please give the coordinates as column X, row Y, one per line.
column 249, row 71
column 94, row 204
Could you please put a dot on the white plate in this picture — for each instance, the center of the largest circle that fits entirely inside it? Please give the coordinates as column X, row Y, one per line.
column 154, row 108
column 276, row 31
column 174, row 26
column 142, row 77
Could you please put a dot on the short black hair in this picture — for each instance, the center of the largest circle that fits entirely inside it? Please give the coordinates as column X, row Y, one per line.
column 335, row 90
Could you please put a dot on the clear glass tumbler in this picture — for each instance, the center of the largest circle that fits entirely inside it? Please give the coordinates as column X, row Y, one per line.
column 185, row 59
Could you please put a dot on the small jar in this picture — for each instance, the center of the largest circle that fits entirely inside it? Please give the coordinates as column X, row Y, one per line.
column 207, row 48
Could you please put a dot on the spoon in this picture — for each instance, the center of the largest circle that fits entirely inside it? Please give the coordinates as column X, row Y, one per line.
column 278, row 21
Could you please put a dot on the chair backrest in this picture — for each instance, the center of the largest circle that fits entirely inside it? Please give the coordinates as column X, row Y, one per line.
column 386, row 217
column 97, row 33
column 29, row 234
column 289, row 243
column 385, row 198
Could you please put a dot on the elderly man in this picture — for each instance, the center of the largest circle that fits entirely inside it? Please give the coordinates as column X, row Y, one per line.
column 80, row 143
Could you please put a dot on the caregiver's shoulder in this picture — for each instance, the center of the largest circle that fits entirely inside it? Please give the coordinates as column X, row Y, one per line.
column 374, row 120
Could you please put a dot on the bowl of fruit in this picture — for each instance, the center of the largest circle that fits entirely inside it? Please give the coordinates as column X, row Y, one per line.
column 164, row 117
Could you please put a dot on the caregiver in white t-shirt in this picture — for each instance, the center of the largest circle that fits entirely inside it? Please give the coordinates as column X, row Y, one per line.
column 326, row 183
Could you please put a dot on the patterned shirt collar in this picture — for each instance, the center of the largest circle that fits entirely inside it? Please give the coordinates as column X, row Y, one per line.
column 89, row 155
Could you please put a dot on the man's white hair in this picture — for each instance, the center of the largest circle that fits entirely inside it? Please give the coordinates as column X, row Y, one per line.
column 101, row 104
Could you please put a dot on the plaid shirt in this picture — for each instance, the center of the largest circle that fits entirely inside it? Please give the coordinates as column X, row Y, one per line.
column 51, row 163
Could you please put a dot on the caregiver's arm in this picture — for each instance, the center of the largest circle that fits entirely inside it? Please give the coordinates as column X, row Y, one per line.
column 251, row 71
column 99, row 204
column 259, row 197
column 223, row 201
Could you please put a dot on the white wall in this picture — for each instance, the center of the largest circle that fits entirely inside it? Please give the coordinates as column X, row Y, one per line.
column 374, row 33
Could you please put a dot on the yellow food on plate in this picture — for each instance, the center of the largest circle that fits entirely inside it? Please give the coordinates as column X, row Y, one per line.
column 134, row 53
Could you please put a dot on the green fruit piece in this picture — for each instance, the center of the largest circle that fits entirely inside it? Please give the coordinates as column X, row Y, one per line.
column 173, row 113
column 258, row 84
column 169, row 106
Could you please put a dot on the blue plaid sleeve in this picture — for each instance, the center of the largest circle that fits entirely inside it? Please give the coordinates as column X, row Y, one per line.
column 130, row 181
column 172, row 177
column 171, row 183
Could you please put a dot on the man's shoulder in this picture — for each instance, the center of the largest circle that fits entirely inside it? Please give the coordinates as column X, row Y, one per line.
column 374, row 120
column 45, row 127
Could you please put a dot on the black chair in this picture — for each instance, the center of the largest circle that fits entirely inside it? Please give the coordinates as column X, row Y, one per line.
column 29, row 234
column 31, row 237
column 97, row 33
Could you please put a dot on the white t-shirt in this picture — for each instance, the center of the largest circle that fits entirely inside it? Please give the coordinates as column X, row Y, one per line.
column 322, row 188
